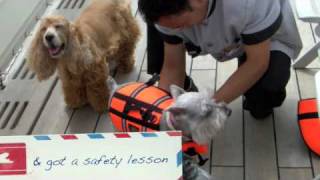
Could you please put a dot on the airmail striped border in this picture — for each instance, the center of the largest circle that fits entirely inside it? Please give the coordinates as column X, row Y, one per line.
column 97, row 136
column 102, row 136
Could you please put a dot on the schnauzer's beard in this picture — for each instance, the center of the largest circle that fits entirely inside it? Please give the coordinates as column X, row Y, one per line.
column 196, row 114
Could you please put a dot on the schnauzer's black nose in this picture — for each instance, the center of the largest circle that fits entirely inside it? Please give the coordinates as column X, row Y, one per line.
column 49, row 37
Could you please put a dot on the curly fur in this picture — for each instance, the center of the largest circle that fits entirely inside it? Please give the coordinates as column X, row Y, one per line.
column 105, row 33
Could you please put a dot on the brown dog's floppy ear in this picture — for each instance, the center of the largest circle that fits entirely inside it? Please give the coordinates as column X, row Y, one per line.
column 38, row 58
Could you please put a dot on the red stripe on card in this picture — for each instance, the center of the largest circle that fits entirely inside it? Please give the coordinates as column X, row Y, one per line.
column 122, row 135
column 174, row 133
column 17, row 172
column 13, row 145
column 69, row 137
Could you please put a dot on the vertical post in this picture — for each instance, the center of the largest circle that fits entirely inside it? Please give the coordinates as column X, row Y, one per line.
column 2, row 86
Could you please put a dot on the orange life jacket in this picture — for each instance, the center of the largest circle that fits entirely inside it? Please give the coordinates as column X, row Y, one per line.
column 138, row 107
column 309, row 124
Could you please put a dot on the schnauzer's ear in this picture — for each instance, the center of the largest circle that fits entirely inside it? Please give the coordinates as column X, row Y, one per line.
column 176, row 111
column 176, row 91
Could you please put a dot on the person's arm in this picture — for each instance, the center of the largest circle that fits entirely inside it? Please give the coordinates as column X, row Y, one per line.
column 247, row 74
column 173, row 69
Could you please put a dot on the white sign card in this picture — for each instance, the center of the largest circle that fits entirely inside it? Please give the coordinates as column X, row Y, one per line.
column 115, row 156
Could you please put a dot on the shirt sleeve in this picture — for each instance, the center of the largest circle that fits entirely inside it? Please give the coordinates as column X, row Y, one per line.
column 169, row 36
column 263, row 19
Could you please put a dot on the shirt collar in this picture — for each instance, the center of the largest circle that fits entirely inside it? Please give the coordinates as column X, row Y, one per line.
column 211, row 7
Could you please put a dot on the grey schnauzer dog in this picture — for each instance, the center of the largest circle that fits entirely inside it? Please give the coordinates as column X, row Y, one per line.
column 199, row 118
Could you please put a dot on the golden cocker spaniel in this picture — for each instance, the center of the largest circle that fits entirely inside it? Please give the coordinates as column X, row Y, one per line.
column 104, row 36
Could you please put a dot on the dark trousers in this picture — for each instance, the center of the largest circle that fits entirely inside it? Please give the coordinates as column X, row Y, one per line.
column 155, row 50
column 268, row 92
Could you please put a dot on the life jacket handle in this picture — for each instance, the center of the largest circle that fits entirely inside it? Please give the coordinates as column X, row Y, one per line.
column 155, row 77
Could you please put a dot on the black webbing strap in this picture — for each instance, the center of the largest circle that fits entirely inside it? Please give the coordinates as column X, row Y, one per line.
column 139, row 103
column 135, row 120
column 305, row 116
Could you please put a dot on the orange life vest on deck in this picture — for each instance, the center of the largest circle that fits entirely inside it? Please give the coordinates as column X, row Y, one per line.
column 309, row 124
column 138, row 107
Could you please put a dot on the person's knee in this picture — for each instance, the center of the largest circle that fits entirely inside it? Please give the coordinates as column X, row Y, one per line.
column 264, row 98
column 278, row 74
column 277, row 98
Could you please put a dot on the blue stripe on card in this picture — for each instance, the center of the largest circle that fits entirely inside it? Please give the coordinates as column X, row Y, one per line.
column 96, row 136
column 42, row 138
column 179, row 158
column 144, row 134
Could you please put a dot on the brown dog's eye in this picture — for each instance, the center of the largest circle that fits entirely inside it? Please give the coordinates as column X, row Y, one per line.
column 43, row 28
column 58, row 26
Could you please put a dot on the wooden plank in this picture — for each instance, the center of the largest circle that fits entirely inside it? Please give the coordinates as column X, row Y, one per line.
column 55, row 116
column 307, row 38
column 291, row 149
column 6, row 116
column 228, row 173
column 316, row 31
column 27, row 90
column 295, row 173
column 204, row 62
column 13, row 31
column 228, row 146
column 16, row 116
column 260, row 150
column 316, row 163
column 5, row 132
column 18, row 90
column 145, row 64
column 306, row 82
column 315, row 158
column 189, row 64
column 84, row 120
column 104, row 124
column 38, row 100
column 204, row 79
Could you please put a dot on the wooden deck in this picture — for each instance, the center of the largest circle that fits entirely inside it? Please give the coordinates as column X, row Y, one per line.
column 247, row 149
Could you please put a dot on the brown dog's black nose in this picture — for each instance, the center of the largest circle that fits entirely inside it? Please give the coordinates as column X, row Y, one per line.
column 49, row 37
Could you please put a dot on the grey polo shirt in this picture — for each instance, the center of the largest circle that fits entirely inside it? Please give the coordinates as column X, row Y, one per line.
column 231, row 24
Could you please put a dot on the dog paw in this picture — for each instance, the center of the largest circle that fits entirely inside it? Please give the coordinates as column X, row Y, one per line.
column 75, row 103
column 74, row 106
column 100, row 109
